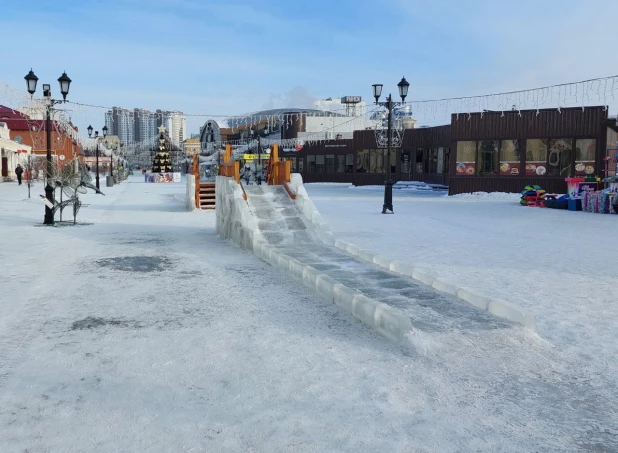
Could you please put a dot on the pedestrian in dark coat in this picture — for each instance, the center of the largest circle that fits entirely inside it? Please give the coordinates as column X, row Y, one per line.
column 18, row 172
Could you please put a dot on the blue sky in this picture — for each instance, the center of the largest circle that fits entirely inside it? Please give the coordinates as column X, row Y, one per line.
column 233, row 57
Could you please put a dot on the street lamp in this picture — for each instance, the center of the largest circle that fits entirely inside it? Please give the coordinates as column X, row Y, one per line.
column 65, row 83
column 111, row 162
column 96, row 137
column 258, row 175
column 403, row 86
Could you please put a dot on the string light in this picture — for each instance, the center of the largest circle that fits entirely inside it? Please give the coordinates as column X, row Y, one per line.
column 578, row 93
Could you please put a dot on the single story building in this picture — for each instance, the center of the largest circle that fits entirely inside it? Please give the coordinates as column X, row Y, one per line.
column 12, row 153
column 483, row 151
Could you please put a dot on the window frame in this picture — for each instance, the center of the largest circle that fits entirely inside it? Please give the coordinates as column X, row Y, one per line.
column 465, row 167
column 512, row 167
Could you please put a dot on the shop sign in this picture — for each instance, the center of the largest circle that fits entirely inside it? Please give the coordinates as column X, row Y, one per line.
column 164, row 177
column 587, row 187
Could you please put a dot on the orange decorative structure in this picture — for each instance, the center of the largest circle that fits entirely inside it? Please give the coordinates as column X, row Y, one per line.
column 205, row 196
column 195, row 169
column 289, row 190
column 229, row 168
column 278, row 171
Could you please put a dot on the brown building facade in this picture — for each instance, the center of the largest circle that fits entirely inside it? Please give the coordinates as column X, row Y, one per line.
column 32, row 133
column 489, row 151
column 424, row 155
column 505, row 151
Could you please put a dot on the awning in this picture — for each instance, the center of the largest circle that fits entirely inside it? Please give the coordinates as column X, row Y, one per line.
column 10, row 145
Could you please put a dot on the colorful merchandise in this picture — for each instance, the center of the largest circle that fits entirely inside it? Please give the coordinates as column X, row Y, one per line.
column 533, row 195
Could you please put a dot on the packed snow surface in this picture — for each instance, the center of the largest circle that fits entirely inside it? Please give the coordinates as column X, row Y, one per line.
column 141, row 330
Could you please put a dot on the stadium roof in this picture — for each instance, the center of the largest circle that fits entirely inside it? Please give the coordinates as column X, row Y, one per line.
column 252, row 117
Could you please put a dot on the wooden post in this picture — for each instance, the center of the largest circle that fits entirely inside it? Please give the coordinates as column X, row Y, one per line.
column 196, row 172
column 274, row 153
column 287, row 171
column 227, row 157
column 236, row 170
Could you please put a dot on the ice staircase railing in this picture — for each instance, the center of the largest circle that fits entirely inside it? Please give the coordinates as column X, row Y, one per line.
column 278, row 171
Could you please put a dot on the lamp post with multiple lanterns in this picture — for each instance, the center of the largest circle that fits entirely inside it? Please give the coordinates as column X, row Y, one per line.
column 96, row 137
column 65, row 83
column 403, row 86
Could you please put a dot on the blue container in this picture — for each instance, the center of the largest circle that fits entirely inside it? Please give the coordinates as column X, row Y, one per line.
column 575, row 204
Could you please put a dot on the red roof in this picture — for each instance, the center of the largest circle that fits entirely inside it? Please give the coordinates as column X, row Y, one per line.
column 17, row 121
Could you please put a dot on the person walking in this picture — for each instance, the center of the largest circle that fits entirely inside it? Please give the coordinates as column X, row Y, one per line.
column 18, row 172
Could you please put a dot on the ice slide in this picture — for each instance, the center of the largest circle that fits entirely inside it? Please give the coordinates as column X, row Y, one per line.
column 273, row 226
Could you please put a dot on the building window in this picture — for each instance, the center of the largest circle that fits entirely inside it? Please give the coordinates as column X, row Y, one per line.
column 405, row 162
column 349, row 163
column 362, row 161
column 300, row 165
column 311, row 164
column 440, row 164
column 488, row 157
column 329, row 163
column 585, row 153
column 319, row 163
column 466, row 158
column 18, row 139
column 431, row 162
column 393, row 161
column 291, row 159
column 560, row 157
column 376, row 161
column 509, row 158
column 419, row 161
column 340, row 163
column 536, row 157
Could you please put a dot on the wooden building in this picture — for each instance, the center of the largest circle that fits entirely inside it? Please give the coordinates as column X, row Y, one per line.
column 489, row 151
column 424, row 155
column 505, row 151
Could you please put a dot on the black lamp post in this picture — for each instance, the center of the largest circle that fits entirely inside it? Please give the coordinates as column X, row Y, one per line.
column 111, row 163
column 65, row 83
column 403, row 86
column 96, row 137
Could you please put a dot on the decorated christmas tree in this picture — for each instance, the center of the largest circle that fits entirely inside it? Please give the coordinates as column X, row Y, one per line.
column 162, row 162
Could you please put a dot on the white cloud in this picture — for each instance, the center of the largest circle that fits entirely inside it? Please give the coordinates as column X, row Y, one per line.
column 297, row 97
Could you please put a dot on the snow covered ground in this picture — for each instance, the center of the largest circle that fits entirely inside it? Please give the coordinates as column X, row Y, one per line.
column 143, row 331
column 555, row 264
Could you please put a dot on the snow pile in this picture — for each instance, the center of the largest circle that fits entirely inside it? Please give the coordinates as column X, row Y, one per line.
column 489, row 196
column 403, row 186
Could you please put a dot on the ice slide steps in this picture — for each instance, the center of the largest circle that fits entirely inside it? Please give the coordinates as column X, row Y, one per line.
column 295, row 247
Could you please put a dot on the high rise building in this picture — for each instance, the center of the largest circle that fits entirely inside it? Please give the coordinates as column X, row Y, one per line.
column 176, row 124
column 145, row 126
column 140, row 125
column 109, row 122
column 121, row 122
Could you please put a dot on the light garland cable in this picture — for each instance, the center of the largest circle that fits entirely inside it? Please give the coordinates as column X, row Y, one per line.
column 574, row 93
column 457, row 104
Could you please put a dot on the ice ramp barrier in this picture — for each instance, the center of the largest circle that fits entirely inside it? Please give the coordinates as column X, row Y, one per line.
column 278, row 230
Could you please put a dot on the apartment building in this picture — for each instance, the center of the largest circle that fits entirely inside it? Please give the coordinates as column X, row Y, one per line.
column 176, row 124
column 140, row 125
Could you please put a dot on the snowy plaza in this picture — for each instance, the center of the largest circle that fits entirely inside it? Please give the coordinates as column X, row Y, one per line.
column 142, row 329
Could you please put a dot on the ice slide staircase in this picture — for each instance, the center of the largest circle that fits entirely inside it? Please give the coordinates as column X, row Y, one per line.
column 267, row 221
